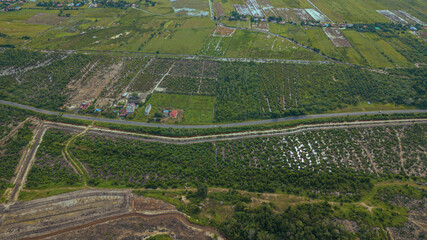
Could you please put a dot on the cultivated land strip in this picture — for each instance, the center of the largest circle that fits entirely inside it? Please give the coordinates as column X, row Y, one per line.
column 224, row 125
column 29, row 157
column 25, row 163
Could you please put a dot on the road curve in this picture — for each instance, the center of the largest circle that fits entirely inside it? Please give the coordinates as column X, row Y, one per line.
column 224, row 125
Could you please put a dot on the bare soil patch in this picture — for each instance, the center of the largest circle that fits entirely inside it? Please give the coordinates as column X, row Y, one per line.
column 336, row 37
column 219, row 11
column 97, row 78
column 302, row 14
column 45, row 19
column 221, row 31
column 287, row 14
column 139, row 226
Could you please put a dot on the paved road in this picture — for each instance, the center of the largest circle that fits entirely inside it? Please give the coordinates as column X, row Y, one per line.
column 239, row 124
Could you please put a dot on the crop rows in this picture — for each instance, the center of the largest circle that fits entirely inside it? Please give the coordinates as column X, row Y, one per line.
column 248, row 91
column 50, row 167
column 144, row 82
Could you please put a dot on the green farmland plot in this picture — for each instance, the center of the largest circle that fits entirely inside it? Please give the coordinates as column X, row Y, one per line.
column 377, row 52
column 198, row 109
column 260, row 45
column 364, row 11
column 216, row 46
column 311, row 37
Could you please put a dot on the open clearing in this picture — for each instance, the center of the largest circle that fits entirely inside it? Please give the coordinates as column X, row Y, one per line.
column 79, row 213
column 336, row 37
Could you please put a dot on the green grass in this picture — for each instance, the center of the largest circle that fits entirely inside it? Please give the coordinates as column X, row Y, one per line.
column 368, row 49
column 179, row 101
column 227, row 5
column 290, row 4
column 260, row 45
column 189, row 38
column 364, row 11
column 216, row 46
column 198, row 109
column 308, row 36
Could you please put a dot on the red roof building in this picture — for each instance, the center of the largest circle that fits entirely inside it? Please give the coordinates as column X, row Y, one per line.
column 173, row 113
column 84, row 105
column 123, row 112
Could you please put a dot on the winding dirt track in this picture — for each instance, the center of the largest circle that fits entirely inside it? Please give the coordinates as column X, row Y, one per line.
column 25, row 167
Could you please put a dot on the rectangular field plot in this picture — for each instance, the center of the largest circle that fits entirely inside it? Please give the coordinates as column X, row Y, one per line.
column 190, row 7
column 216, row 46
column 392, row 17
column 254, row 8
column 199, row 109
column 144, row 82
column 375, row 50
column 165, row 100
column 219, row 11
column 408, row 17
column 336, row 37
column 188, row 85
column 268, row 8
column 180, row 84
column 207, row 86
column 159, row 66
column 199, row 116
column 242, row 9
column 287, row 14
column 302, row 14
column 260, row 45
column 45, row 19
column 187, row 68
column 221, row 31
column 318, row 16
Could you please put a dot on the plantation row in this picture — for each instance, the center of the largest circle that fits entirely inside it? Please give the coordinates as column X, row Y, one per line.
column 50, row 166
column 10, row 152
column 328, row 161
column 44, row 86
column 10, row 118
column 249, row 91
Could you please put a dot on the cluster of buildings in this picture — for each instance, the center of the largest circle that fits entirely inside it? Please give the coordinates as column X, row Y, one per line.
column 129, row 106
column 5, row 5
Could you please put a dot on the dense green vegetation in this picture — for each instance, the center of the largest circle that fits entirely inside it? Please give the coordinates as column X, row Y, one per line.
column 244, row 215
column 21, row 58
column 250, row 91
column 312, row 163
column 307, row 221
column 10, row 152
column 9, row 118
column 243, row 91
column 50, row 168
column 43, row 86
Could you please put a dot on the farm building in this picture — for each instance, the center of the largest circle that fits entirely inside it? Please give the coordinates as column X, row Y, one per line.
column 147, row 109
column 123, row 112
column 84, row 105
column 165, row 113
column 130, row 108
column 173, row 113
